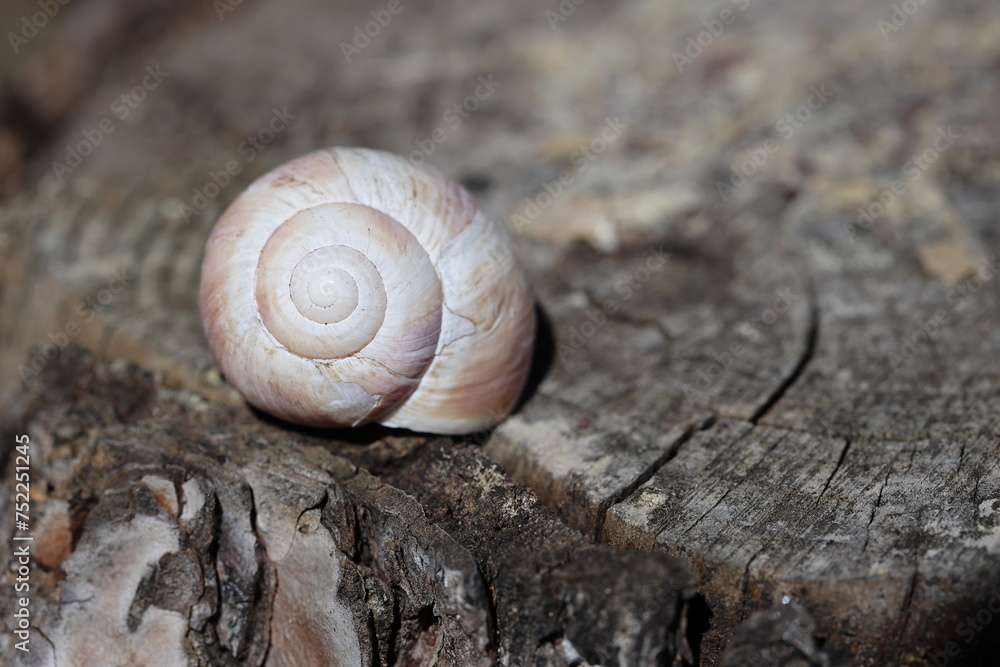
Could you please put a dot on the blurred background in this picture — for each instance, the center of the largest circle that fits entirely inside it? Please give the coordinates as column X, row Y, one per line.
column 768, row 113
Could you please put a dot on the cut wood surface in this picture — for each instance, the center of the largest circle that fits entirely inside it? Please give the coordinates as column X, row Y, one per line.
column 762, row 235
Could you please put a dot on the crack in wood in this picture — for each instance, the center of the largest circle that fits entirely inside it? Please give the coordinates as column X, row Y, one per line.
column 907, row 607
column 672, row 451
column 808, row 351
column 745, row 588
column 871, row 518
column 707, row 512
column 836, row 468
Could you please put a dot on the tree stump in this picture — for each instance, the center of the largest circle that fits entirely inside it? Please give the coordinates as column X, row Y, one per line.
column 761, row 237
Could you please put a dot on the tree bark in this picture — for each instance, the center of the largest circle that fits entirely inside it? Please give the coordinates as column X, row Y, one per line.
column 171, row 530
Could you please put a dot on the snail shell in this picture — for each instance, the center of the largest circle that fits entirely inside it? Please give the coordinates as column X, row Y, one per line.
column 347, row 287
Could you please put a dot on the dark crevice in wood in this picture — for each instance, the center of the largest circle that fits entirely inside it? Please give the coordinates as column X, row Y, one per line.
column 906, row 608
column 698, row 616
column 394, row 628
column 706, row 512
column 262, row 595
column 745, row 588
column 807, row 354
column 362, row 550
column 321, row 505
column 52, row 646
column 878, row 503
column 79, row 511
column 373, row 633
column 836, row 468
column 667, row 457
column 210, row 573
column 491, row 608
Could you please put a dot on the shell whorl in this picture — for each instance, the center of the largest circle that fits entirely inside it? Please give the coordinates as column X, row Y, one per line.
column 347, row 287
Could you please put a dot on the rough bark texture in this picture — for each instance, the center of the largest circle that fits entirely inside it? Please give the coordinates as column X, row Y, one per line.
column 772, row 350
column 173, row 531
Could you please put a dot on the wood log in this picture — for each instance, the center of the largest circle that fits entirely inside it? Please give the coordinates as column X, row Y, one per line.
column 763, row 245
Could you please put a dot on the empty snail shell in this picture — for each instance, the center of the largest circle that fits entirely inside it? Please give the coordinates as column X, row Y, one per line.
column 348, row 287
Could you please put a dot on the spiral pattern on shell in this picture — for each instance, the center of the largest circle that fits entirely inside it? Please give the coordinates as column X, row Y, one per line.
column 347, row 287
